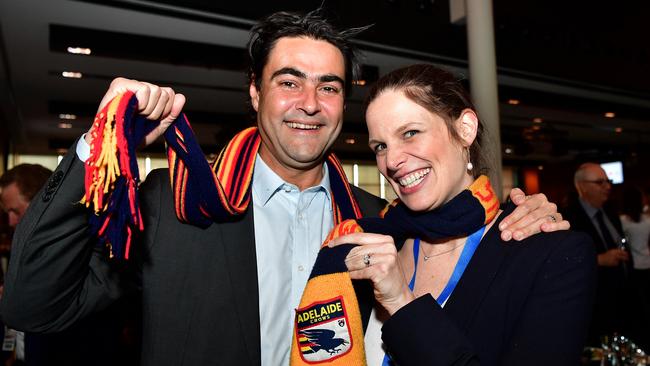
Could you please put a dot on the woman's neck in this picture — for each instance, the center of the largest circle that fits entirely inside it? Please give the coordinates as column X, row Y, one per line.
column 436, row 262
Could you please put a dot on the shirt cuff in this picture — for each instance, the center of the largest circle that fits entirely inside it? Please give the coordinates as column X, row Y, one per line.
column 83, row 149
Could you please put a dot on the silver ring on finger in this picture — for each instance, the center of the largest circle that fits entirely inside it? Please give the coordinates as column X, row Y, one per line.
column 366, row 259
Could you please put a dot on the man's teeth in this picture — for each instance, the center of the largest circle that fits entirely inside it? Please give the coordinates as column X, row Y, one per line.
column 414, row 179
column 302, row 126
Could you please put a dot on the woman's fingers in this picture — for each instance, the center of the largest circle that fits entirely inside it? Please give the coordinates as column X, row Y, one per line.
column 362, row 257
column 361, row 239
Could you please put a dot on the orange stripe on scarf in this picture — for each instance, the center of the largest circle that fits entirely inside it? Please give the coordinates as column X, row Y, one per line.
column 482, row 190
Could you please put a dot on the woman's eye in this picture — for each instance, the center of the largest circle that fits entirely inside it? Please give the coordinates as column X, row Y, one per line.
column 410, row 133
column 379, row 147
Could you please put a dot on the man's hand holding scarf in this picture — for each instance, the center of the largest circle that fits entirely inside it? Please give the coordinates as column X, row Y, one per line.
column 154, row 103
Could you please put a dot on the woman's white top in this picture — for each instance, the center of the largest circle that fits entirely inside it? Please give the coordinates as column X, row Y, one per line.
column 375, row 349
column 638, row 235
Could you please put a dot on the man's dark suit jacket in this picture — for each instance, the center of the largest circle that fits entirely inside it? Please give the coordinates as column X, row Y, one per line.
column 612, row 303
column 199, row 286
column 525, row 303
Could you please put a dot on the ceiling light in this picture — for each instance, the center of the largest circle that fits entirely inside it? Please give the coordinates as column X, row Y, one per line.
column 65, row 125
column 72, row 74
column 359, row 82
column 350, row 141
column 67, row 116
column 540, row 167
column 610, row 114
column 538, row 120
column 79, row 50
column 618, row 129
column 508, row 150
column 536, row 128
column 513, row 101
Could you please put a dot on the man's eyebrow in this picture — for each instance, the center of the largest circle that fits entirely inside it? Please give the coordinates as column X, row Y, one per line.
column 299, row 74
column 329, row 78
column 290, row 71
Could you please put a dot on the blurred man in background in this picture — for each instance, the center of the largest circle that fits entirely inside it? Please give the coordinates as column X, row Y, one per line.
column 18, row 186
column 93, row 341
column 589, row 213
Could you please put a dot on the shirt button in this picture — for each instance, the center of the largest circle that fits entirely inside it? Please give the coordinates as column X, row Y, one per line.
column 301, row 268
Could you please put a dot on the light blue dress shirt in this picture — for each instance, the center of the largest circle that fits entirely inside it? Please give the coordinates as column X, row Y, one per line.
column 290, row 226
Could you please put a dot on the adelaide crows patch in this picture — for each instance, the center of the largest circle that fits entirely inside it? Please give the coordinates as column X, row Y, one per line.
column 322, row 331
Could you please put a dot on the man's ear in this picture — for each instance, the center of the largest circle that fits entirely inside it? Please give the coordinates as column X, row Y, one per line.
column 255, row 95
column 467, row 126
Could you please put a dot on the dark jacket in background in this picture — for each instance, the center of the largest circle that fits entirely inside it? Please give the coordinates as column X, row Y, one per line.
column 612, row 309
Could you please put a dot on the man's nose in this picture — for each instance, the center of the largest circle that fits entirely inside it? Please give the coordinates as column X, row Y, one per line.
column 309, row 102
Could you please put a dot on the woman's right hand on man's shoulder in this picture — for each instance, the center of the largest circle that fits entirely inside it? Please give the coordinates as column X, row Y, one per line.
column 375, row 258
column 154, row 103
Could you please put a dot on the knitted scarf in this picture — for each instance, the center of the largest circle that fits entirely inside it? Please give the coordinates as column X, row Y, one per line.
column 328, row 322
column 203, row 193
column 327, row 325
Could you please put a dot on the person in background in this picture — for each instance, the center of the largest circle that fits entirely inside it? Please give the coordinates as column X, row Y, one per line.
column 636, row 227
column 589, row 212
column 455, row 293
column 95, row 340
column 224, row 294
column 18, row 186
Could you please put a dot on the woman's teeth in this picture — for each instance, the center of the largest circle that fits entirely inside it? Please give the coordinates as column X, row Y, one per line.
column 414, row 178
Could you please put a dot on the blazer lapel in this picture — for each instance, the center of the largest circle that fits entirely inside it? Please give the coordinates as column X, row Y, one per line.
column 239, row 247
column 477, row 279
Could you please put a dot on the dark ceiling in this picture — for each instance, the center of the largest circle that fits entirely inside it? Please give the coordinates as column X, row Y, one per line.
column 567, row 63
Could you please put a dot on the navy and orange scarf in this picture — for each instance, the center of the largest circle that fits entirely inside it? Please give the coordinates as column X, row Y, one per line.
column 203, row 193
column 328, row 326
column 322, row 333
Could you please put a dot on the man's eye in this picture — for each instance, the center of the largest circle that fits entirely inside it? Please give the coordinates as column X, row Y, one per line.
column 330, row 89
column 379, row 148
column 288, row 84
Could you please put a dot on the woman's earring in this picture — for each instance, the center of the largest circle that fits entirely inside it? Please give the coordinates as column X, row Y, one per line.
column 470, row 166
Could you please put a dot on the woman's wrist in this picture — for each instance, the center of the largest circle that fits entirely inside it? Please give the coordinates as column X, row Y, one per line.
column 394, row 305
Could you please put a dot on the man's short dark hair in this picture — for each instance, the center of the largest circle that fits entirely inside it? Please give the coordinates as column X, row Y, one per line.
column 29, row 179
column 269, row 30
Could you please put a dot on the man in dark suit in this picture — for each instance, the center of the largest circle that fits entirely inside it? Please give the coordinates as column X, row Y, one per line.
column 589, row 213
column 225, row 294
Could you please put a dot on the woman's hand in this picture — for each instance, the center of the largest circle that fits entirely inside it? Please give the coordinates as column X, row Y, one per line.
column 533, row 214
column 375, row 258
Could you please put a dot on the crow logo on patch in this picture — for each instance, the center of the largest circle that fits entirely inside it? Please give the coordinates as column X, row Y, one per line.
column 322, row 331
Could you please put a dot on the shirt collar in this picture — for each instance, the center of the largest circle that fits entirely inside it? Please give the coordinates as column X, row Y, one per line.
column 266, row 182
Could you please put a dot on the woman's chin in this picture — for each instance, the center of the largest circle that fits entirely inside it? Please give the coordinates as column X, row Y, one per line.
column 419, row 204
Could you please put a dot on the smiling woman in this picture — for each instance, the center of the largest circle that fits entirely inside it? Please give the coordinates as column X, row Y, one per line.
column 471, row 298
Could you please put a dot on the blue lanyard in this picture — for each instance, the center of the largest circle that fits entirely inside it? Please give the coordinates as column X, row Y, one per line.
column 470, row 247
